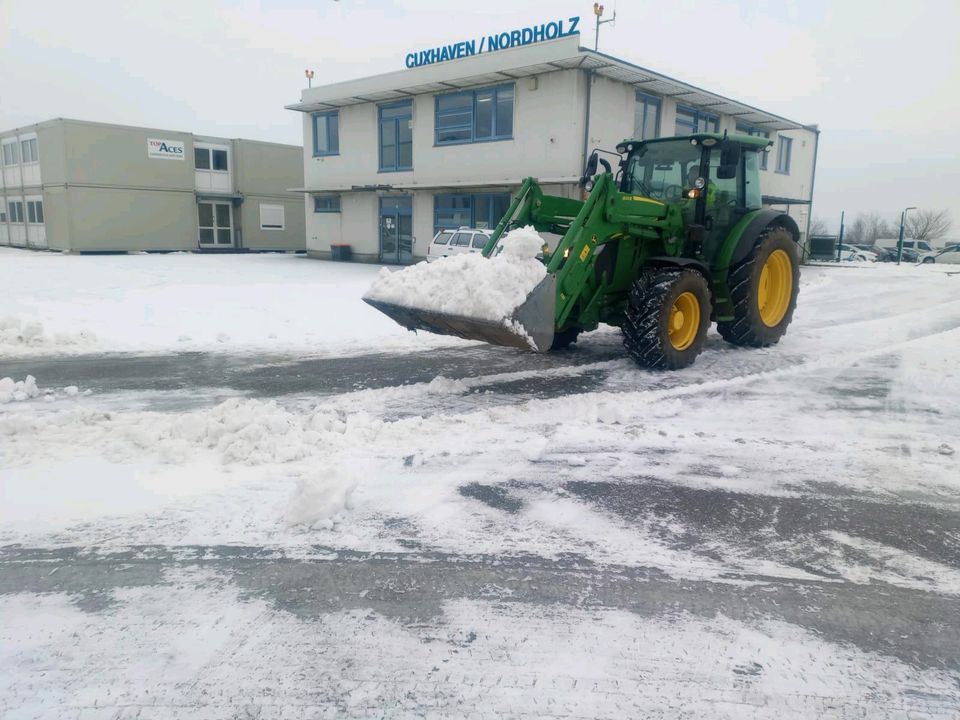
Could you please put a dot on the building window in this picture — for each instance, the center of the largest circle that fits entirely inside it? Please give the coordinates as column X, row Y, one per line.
column 210, row 159
column 326, row 133
column 474, row 116
column 396, row 136
column 3, row 210
column 35, row 212
column 11, row 154
column 756, row 132
column 326, row 203
column 28, row 151
column 784, row 150
column 691, row 121
column 271, row 217
column 16, row 211
column 484, row 210
column 646, row 117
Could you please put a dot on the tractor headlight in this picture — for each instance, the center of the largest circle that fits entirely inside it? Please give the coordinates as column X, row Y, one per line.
column 699, row 183
column 588, row 185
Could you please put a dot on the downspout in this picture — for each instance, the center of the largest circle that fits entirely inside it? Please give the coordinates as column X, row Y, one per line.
column 813, row 179
column 586, row 123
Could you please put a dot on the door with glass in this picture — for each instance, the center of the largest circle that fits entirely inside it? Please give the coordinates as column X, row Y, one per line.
column 216, row 224
column 396, row 230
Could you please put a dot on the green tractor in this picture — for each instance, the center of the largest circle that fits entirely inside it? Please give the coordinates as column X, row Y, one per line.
column 677, row 239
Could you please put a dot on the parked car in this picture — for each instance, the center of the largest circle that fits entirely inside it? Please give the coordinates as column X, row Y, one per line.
column 949, row 255
column 888, row 254
column 457, row 242
column 916, row 247
column 852, row 253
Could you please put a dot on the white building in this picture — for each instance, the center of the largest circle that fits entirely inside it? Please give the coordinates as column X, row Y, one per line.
column 80, row 186
column 390, row 159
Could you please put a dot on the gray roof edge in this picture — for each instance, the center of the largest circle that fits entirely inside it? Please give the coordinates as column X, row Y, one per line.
column 588, row 52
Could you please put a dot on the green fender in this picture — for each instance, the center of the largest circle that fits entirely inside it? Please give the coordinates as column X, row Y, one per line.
column 737, row 246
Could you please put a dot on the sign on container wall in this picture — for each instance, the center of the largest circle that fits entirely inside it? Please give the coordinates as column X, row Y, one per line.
column 165, row 149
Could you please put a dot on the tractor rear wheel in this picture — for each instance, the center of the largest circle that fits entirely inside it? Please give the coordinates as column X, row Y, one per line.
column 668, row 313
column 763, row 287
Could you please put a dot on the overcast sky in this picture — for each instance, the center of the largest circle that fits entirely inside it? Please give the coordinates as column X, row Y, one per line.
column 881, row 79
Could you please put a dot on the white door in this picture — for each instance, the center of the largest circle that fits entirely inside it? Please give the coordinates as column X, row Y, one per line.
column 36, row 229
column 215, row 221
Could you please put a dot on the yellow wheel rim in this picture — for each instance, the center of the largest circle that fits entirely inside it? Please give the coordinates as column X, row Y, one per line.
column 775, row 288
column 684, row 321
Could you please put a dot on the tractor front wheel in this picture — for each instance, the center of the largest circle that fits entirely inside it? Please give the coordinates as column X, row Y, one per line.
column 763, row 287
column 668, row 313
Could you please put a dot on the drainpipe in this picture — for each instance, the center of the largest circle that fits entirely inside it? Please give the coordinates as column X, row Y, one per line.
column 813, row 179
column 586, row 122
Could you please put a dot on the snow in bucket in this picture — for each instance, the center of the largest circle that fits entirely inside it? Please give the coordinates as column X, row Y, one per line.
column 469, row 285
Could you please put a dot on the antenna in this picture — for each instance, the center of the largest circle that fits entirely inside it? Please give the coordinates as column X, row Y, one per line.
column 598, row 11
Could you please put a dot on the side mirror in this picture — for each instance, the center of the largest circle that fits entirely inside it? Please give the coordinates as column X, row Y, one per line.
column 591, row 169
column 729, row 160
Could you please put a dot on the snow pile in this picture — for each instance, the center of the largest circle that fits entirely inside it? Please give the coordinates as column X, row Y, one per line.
column 319, row 498
column 468, row 285
column 19, row 390
column 18, row 335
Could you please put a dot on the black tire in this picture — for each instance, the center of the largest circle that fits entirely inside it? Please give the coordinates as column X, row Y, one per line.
column 747, row 327
column 565, row 338
column 646, row 334
column 928, row 261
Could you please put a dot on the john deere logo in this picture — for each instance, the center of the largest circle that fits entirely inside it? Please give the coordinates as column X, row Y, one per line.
column 165, row 149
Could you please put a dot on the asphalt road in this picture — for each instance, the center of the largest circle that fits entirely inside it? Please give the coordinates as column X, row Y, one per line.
column 917, row 627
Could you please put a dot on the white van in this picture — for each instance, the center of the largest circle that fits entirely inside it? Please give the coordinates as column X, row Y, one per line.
column 457, row 242
column 908, row 243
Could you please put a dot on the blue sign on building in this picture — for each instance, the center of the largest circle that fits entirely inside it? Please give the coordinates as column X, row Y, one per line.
column 491, row 43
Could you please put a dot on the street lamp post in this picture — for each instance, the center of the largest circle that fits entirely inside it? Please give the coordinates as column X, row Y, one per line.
column 903, row 216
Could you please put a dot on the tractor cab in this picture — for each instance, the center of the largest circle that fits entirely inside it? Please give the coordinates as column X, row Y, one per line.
column 713, row 178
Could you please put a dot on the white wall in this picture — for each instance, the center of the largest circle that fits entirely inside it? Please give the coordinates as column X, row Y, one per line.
column 547, row 149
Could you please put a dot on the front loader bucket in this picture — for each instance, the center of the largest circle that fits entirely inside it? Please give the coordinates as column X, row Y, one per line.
column 529, row 327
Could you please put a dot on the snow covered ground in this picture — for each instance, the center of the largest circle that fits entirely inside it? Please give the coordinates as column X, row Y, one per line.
column 56, row 303
column 521, row 535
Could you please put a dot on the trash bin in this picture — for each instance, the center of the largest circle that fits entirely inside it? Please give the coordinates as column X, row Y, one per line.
column 341, row 252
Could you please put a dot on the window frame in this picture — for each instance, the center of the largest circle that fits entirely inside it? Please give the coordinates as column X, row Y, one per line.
column 317, row 205
column 647, row 100
column 35, row 209
column 15, row 210
column 698, row 115
column 32, row 143
column 283, row 217
column 326, row 114
column 397, row 167
column 210, row 149
column 495, row 135
column 15, row 153
column 755, row 131
column 471, row 198
column 783, row 168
